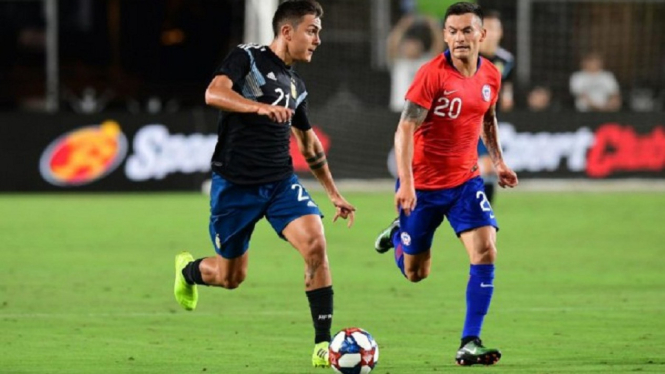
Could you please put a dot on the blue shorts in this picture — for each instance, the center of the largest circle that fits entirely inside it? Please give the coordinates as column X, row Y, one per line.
column 466, row 207
column 235, row 209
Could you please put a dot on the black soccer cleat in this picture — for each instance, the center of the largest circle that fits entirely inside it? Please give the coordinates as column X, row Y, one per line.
column 474, row 352
column 384, row 241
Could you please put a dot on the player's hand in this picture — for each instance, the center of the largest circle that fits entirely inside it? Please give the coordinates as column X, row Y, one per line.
column 405, row 197
column 343, row 210
column 507, row 177
column 276, row 113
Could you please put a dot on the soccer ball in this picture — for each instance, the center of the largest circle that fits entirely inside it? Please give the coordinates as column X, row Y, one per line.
column 353, row 351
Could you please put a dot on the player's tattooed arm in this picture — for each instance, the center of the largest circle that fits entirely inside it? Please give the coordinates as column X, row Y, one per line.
column 317, row 161
column 490, row 135
column 311, row 148
column 413, row 116
column 413, row 113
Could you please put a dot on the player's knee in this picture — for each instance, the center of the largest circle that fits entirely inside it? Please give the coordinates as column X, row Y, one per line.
column 232, row 280
column 316, row 261
column 314, row 250
column 486, row 252
column 417, row 274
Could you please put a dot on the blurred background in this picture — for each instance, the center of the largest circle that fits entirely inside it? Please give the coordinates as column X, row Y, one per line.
column 108, row 94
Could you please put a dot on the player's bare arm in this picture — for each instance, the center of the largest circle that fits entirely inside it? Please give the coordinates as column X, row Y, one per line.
column 490, row 136
column 311, row 148
column 413, row 116
column 220, row 94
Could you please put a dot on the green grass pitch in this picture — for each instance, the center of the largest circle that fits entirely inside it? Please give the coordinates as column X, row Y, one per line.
column 86, row 287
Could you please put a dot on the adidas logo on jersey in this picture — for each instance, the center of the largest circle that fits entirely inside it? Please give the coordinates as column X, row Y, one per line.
column 271, row 75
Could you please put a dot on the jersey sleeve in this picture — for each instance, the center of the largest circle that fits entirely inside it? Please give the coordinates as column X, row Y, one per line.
column 424, row 87
column 300, row 119
column 236, row 65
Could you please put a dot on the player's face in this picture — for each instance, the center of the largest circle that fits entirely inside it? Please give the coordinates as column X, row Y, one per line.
column 464, row 33
column 305, row 38
column 592, row 64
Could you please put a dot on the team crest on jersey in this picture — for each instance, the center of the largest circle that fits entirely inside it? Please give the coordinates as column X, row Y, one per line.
column 406, row 238
column 294, row 92
column 487, row 92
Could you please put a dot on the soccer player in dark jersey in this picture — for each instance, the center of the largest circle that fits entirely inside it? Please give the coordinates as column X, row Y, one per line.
column 450, row 99
column 262, row 101
column 504, row 61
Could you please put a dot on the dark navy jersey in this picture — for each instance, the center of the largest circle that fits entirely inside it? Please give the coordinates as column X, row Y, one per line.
column 505, row 62
column 252, row 149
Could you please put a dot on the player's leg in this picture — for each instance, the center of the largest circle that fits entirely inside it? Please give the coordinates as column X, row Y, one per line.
column 296, row 217
column 412, row 235
column 230, row 235
column 473, row 220
column 222, row 272
column 227, row 269
column 306, row 235
column 480, row 245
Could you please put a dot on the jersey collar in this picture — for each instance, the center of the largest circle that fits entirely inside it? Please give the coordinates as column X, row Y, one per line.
column 276, row 58
column 450, row 61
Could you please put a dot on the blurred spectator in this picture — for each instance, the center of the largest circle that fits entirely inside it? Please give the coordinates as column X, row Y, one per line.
column 89, row 102
column 642, row 96
column 501, row 58
column 153, row 105
column 539, row 99
column 411, row 43
column 21, row 55
column 595, row 89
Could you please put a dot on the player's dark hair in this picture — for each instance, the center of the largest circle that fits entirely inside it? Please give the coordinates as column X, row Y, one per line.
column 492, row 14
column 461, row 8
column 292, row 11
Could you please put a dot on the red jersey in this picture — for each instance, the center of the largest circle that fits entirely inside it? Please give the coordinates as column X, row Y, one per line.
column 445, row 151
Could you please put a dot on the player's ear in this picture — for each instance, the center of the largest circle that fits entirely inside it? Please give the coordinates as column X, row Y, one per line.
column 286, row 31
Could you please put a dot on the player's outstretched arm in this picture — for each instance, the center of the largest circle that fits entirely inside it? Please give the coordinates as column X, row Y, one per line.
column 413, row 116
column 220, row 94
column 490, row 136
column 310, row 147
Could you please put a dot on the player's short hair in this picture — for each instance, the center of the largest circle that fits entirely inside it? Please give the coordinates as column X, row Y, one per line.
column 461, row 8
column 292, row 11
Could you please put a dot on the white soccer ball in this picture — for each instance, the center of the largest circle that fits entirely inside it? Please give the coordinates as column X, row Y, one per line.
column 353, row 351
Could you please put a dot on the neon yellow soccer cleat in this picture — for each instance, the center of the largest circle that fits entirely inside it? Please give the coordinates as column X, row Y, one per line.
column 185, row 294
column 320, row 355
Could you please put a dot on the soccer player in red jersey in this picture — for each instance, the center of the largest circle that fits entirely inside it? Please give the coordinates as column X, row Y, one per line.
column 452, row 98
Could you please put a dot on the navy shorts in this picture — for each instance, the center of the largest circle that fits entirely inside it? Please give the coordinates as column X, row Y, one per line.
column 466, row 207
column 235, row 209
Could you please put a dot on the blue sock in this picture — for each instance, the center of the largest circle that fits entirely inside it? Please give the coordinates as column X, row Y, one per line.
column 478, row 297
column 399, row 253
